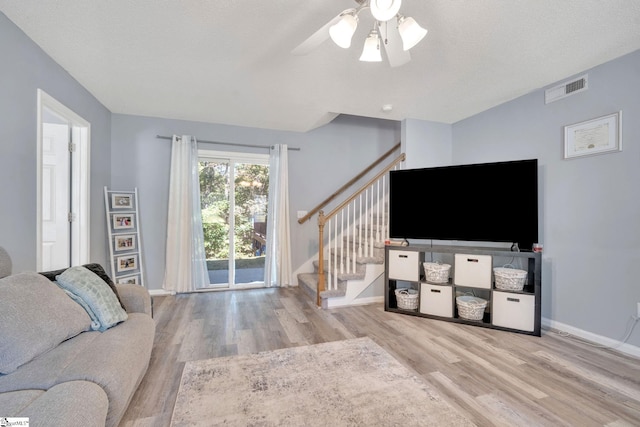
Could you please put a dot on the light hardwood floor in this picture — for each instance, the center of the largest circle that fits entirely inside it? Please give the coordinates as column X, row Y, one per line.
column 492, row 377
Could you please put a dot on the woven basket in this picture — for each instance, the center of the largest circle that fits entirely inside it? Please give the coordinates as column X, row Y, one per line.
column 509, row 279
column 471, row 308
column 436, row 272
column 407, row 299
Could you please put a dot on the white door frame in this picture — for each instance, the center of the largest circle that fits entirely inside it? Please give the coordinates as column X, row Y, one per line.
column 233, row 157
column 80, row 188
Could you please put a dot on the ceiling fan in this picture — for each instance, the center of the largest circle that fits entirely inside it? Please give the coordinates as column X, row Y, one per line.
column 396, row 35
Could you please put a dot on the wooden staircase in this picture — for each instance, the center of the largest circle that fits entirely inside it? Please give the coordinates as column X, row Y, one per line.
column 351, row 241
column 349, row 284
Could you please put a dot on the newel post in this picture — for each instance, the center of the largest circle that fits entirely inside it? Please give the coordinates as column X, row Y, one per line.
column 320, row 287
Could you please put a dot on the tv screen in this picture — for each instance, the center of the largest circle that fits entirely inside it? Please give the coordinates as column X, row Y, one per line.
column 487, row 202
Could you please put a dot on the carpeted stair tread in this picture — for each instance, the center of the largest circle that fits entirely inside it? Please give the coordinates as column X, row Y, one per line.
column 333, row 293
column 309, row 282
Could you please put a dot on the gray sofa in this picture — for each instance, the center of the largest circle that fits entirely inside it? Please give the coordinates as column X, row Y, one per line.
column 55, row 369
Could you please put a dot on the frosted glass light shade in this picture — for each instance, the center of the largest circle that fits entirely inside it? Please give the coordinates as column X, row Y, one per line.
column 371, row 50
column 342, row 32
column 410, row 32
column 383, row 10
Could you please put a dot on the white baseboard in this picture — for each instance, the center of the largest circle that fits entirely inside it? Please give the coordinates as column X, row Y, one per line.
column 345, row 302
column 369, row 300
column 589, row 336
column 160, row 292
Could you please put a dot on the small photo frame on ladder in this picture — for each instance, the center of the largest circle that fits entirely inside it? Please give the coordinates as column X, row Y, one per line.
column 121, row 201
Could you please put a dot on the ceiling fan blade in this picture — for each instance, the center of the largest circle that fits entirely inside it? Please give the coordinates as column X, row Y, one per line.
column 392, row 42
column 317, row 38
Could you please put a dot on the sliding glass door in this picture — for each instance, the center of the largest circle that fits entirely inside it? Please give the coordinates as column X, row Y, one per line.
column 234, row 191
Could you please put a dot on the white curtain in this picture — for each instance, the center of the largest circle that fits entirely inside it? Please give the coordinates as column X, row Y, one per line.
column 186, row 264
column 277, row 271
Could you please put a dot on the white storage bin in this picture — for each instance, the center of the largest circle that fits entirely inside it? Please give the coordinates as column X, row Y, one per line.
column 436, row 300
column 404, row 265
column 515, row 311
column 473, row 271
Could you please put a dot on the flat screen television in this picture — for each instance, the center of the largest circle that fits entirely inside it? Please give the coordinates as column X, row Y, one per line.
column 484, row 202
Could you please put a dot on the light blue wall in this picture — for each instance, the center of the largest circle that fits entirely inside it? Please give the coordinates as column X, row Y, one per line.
column 589, row 207
column 26, row 68
column 427, row 144
column 329, row 156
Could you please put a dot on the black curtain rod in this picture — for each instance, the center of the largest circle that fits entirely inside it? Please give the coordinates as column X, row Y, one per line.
column 228, row 143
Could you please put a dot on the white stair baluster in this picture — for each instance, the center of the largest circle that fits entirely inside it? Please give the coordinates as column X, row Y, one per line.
column 328, row 249
column 335, row 255
column 347, row 255
column 349, row 231
column 354, row 250
column 341, row 242
column 367, row 228
column 371, row 235
column 366, row 223
column 378, row 212
column 360, row 227
column 385, row 209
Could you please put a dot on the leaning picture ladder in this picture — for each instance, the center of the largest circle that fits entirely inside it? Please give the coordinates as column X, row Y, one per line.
column 123, row 230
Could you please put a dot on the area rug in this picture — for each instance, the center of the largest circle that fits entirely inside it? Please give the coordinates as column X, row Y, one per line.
column 344, row 383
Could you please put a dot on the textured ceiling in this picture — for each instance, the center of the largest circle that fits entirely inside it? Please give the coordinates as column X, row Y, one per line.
column 230, row 61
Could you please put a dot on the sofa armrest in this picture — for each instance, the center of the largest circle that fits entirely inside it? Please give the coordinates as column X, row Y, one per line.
column 135, row 299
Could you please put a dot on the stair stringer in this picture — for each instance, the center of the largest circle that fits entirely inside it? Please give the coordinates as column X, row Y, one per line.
column 355, row 287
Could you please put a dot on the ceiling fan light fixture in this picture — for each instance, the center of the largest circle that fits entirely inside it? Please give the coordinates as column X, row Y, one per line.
column 371, row 50
column 342, row 32
column 410, row 32
column 384, row 10
column 396, row 38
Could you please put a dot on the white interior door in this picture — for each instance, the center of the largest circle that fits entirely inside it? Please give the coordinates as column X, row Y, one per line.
column 56, row 179
column 63, row 186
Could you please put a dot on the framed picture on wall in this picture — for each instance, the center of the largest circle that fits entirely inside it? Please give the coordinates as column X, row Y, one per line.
column 122, row 201
column 596, row 136
column 133, row 279
column 123, row 221
column 124, row 242
column 127, row 262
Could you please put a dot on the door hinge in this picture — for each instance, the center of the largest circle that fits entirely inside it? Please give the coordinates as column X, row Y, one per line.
column 72, row 147
column 71, row 217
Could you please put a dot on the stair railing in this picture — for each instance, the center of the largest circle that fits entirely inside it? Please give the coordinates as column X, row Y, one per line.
column 359, row 209
column 351, row 182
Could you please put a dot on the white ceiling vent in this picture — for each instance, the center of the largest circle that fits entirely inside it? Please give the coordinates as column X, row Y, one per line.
column 565, row 89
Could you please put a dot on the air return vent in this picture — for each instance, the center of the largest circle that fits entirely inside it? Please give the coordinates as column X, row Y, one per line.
column 565, row 89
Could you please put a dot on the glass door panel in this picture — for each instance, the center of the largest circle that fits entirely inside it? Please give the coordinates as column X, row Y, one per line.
column 250, row 231
column 215, row 203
